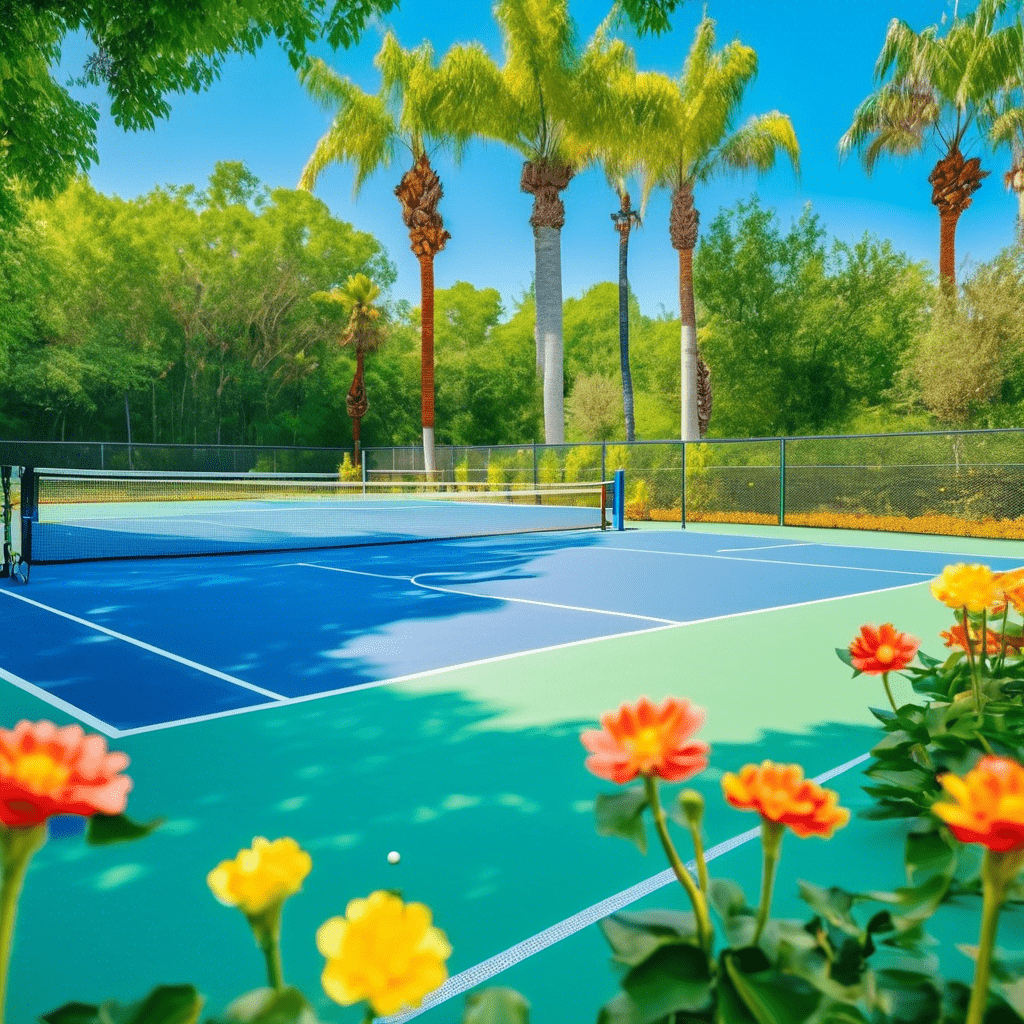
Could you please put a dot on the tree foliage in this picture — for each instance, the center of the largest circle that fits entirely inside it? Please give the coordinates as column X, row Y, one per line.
column 143, row 52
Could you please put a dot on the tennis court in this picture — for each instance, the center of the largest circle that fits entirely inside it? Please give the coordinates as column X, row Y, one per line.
column 425, row 697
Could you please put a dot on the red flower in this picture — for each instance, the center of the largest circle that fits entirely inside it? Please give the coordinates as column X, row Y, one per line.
column 46, row 771
column 780, row 793
column 954, row 637
column 641, row 739
column 885, row 649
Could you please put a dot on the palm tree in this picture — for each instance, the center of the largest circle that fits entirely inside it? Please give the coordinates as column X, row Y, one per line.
column 1008, row 129
column 941, row 86
column 624, row 219
column 691, row 140
column 549, row 102
column 368, row 131
column 366, row 332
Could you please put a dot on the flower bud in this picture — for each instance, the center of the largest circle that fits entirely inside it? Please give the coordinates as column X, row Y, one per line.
column 692, row 804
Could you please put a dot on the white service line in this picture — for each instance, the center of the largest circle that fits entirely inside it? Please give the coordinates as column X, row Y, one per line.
column 768, row 547
column 766, row 561
column 147, row 647
column 414, row 580
column 488, row 968
column 61, row 705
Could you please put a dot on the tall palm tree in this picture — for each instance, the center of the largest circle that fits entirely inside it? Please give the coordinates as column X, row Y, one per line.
column 549, row 102
column 625, row 219
column 691, row 140
column 368, row 131
column 366, row 332
column 940, row 86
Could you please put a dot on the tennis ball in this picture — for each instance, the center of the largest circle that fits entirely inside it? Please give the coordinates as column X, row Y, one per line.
column 394, row 857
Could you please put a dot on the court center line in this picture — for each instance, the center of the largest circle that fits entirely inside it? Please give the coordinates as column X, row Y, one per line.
column 148, row 647
column 414, row 580
column 769, row 547
column 60, row 705
column 427, row 673
column 487, row 969
column 768, row 561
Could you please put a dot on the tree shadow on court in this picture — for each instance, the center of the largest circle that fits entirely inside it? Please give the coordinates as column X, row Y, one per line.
column 494, row 824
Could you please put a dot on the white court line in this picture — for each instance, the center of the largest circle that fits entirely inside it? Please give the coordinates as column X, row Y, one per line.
column 491, row 597
column 769, row 547
column 148, row 647
column 487, row 969
column 768, row 561
column 427, row 673
column 61, row 705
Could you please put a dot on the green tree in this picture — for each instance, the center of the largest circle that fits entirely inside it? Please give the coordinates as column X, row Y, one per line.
column 365, row 332
column 594, row 407
column 802, row 334
column 143, row 52
column 939, row 86
column 693, row 140
column 550, row 103
column 368, row 131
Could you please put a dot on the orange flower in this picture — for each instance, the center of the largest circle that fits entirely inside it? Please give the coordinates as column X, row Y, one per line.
column 875, row 651
column 970, row 586
column 989, row 804
column 45, row 771
column 780, row 793
column 641, row 739
column 1011, row 588
column 954, row 637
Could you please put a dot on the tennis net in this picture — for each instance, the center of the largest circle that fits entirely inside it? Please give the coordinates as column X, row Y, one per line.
column 83, row 515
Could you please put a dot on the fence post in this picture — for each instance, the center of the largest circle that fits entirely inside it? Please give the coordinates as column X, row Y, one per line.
column 682, row 498
column 782, row 481
column 604, row 460
column 534, row 465
column 362, row 462
column 102, row 463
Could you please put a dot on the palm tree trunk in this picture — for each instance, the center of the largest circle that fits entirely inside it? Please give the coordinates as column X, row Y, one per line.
column 544, row 181
column 954, row 180
column 427, row 360
column 356, row 404
column 690, row 428
column 548, row 253
column 623, row 223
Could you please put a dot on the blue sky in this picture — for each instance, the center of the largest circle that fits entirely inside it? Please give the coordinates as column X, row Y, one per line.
column 816, row 60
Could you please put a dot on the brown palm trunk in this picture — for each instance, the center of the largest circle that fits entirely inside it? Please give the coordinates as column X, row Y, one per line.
column 356, row 404
column 954, row 180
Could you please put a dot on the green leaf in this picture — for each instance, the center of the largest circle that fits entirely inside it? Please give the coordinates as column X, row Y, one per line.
column 730, row 1009
column 496, row 1006
column 104, row 829
column 913, row 998
column 673, row 978
column 621, row 1010
column 928, row 853
column 833, row 904
column 726, row 897
column 621, row 814
column 266, row 1006
column 636, row 935
column 841, row 1015
column 772, row 997
column 844, row 655
column 166, row 1004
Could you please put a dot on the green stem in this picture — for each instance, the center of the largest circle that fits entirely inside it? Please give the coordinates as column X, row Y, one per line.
column 702, row 868
column 17, row 845
column 992, row 900
column 975, row 677
column 888, row 692
column 771, row 840
column 266, row 927
column 368, row 1018
column 1002, row 633
column 700, row 907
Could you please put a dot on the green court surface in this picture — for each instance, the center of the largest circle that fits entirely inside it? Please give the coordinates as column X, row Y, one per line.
column 476, row 776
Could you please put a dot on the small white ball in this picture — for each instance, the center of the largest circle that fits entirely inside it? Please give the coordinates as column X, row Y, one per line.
column 394, row 857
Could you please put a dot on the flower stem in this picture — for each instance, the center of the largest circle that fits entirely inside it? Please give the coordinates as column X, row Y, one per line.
column 888, row 692
column 702, row 868
column 17, row 845
column 700, row 907
column 975, row 675
column 992, row 900
column 266, row 927
column 771, row 840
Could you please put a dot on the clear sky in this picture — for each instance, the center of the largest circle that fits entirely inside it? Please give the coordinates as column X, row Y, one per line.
column 815, row 58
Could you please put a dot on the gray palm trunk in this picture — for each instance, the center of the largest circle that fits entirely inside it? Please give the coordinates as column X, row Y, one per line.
column 548, row 256
column 627, row 378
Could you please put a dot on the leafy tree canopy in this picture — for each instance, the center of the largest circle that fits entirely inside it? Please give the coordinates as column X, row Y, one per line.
column 143, row 52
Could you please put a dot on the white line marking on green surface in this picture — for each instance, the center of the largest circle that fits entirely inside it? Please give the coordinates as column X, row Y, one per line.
column 487, row 969
column 147, row 647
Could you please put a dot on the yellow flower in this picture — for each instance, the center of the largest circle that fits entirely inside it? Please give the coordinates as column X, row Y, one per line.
column 384, row 951
column 260, row 877
column 970, row 586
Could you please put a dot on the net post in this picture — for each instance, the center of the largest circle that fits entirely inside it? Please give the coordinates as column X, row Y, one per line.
column 6, row 511
column 682, row 493
column 29, row 511
column 782, row 481
column 619, row 499
column 363, row 464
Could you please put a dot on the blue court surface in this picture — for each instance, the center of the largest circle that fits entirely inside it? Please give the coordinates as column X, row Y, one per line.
column 139, row 645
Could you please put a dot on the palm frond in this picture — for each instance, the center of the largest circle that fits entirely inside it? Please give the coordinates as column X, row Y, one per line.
column 1007, row 127
column 757, row 144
